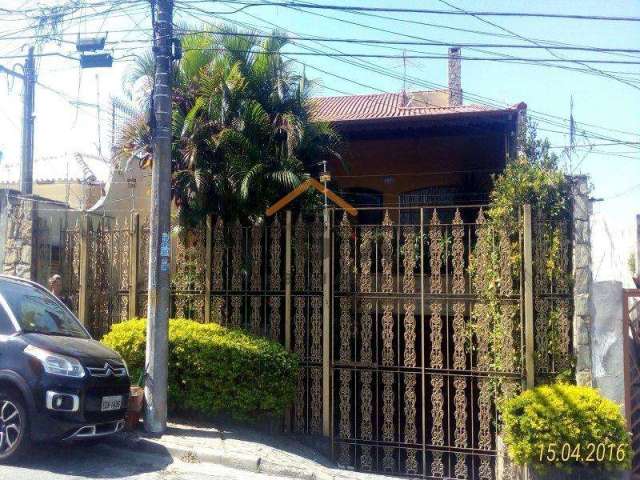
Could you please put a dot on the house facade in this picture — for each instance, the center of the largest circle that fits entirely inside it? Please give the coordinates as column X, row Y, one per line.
column 416, row 148
column 380, row 307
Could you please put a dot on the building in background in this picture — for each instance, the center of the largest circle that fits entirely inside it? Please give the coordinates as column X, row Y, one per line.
column 73, row 179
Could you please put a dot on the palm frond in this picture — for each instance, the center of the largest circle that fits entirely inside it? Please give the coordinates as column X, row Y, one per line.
column 242, row 134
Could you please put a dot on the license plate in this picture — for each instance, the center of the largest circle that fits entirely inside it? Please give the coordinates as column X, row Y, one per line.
column 111, row 403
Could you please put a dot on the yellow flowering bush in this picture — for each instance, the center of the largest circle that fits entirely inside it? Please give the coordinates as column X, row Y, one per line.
column 565, row 426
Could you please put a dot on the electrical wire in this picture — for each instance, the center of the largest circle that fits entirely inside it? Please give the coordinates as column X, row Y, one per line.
column 422, row 10
column 540, row 116
column 372, row 41
column 588, row 70
column 386, row 56
column 481, row 99
column 558, row 57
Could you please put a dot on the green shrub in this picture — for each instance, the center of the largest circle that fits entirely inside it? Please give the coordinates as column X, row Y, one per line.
column 561, row 417
column 214, row 369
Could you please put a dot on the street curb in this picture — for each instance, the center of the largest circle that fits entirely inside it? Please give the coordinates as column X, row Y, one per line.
column 236, row 461
column 271, row 468
column 191, row 454
column 209, row 455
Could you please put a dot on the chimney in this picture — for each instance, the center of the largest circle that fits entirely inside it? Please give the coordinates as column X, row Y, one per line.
column 455, row 77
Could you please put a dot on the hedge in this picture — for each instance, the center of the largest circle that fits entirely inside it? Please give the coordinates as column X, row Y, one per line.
column 213, row 369
column 577, row 423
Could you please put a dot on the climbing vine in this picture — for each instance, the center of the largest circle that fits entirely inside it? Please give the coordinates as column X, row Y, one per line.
column 535, row 179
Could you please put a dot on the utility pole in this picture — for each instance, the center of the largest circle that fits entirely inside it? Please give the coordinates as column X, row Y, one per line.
column 28, row 77
column 26, row 165
column 155, row 384
column 325, row 177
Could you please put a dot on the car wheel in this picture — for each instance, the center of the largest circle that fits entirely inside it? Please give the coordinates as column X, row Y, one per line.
column 14, row 431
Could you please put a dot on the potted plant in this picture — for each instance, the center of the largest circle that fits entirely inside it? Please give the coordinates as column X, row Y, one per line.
column 564, row 431
column 134, row 407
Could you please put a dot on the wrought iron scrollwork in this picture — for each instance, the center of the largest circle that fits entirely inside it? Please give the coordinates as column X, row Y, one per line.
column 436, row 252
column 388, row 354
column 217, row 279
column 255, row 282
column 315, row 322
column 366, row 353
column 344, row 287
column 275, row 278
column 459, row 338
column 236, row 274
column 409, row 287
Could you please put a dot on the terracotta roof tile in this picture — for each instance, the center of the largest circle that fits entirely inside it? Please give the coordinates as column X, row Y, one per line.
column 391, row 105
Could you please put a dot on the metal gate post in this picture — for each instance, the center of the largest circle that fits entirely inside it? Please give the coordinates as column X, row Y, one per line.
column 326, row 326
column 134, row 240
column 83, row 274
column 528, row 298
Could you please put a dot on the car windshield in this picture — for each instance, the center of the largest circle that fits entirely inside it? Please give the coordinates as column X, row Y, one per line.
column 37, row 311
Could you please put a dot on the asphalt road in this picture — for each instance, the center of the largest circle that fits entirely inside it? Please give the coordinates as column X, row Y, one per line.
column 102, row 461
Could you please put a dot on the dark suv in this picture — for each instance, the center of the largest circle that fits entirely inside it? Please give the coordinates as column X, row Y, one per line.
column 56, row 382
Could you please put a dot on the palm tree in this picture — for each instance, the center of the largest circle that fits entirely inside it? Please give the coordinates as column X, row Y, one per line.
column 242, row 135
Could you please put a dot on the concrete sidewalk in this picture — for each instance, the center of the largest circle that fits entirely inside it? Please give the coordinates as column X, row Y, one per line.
column 241, row 448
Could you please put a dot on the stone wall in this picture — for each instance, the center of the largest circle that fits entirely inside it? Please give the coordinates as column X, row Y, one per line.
column 18, row 248
column 583, row 280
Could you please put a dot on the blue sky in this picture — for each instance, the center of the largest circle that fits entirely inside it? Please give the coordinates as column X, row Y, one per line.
column 598, row 101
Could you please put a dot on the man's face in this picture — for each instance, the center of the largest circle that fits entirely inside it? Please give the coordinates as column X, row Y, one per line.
column 56, row 287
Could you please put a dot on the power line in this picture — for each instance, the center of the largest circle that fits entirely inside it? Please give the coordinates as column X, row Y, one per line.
column 579, row 62
column 606, row 144
column 367, row 26
column 481, row 99
column 484, row 100
column 429, row 57
column 369, row 66
column 69, row 7
column 421, row 10
column 457, row 29
column 400, row 57
column 371, row 41
column 377, row 89
column 39, row 55
column 623, row 193
column 589, row 69
column 75, row 34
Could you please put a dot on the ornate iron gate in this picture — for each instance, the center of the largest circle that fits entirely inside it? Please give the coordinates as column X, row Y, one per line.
column 267, row 279
column 106, row 246
column 408, row 379
column 414, row 388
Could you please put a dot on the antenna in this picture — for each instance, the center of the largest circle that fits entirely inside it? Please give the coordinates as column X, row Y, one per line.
column 572, row 135
column 404, row 71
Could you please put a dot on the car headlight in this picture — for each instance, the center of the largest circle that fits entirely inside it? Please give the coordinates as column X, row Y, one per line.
column 56, row 364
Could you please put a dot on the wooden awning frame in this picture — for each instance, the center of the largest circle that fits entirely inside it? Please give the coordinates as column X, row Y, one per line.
column 303, row 187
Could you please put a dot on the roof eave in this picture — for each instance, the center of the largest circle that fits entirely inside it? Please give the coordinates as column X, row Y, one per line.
column 428, row 119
